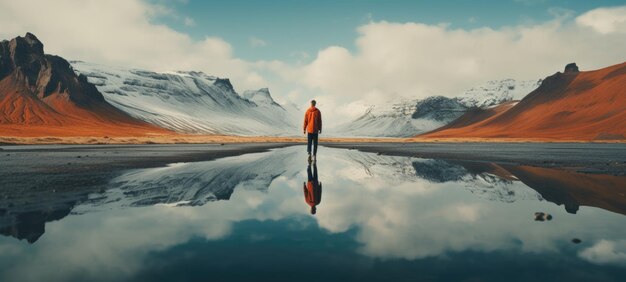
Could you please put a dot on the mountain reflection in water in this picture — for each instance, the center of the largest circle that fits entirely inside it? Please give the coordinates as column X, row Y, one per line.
column 374, row 206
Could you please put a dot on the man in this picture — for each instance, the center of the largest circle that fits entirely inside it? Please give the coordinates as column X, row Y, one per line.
column 312, row 128
column 312, row 189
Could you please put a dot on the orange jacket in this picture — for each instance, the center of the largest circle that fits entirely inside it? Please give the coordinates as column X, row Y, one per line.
column 312, row 193
column 312, row 120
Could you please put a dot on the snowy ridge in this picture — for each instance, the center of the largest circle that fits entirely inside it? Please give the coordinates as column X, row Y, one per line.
column 190, row 102
column 498, row 91
column 403, row 118
column 481, row 183
column 195, row 184
column 409, row 117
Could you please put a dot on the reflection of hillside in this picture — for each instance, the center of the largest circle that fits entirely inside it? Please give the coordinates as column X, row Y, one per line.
column 493, row 181
column 486, row 180
column 25, row 211
column 26, row 205
column 439, row 171
column 24, row 215
column 562, row 187
column 193, row 184
column 573, row 189
column 30, row 225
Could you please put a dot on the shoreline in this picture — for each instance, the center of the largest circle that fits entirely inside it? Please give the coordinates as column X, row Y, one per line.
column 600, row 158
column 231, row 139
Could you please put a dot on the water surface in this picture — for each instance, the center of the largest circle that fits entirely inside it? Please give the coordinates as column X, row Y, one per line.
column 379, row 218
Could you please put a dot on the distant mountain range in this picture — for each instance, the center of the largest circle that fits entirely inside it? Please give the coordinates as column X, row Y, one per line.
column 191, row 102
column 44, row 95
column 409, row 117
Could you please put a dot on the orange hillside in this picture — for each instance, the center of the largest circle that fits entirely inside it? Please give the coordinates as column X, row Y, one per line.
column 572, row 105
column 40, row 95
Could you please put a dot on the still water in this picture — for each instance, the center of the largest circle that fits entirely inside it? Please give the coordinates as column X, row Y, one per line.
column 377, row 218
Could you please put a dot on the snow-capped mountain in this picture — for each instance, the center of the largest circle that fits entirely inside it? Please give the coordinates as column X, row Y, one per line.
column 190, row 102
column 409, row 117
column 403, row 118
column 498, row 91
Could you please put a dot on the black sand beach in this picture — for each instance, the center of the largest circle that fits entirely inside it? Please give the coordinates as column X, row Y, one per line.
column 583, row 157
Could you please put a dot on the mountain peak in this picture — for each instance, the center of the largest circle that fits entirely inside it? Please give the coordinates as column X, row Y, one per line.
column 32, row 38
column 571, row 68
column 224, row 83
column 25, row 45
column 42, row 74
column 259, row 96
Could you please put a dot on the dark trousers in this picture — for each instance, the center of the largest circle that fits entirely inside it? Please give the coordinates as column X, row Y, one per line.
column 312, row 176
column 311, row 139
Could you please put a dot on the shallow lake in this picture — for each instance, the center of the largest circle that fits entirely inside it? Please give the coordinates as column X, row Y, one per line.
column 249, row 218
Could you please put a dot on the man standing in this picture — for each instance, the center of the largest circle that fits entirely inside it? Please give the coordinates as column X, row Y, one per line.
column 312, row 127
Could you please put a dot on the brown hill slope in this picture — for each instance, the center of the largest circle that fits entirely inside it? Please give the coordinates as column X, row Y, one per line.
column 40, row 95
column 571, row 105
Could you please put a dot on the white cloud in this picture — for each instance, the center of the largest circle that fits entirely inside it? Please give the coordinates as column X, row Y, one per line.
column 120, row 32
column 605, row 20
column 413, row 59
column 606, row 252
column 257, row 42
column 394, row 60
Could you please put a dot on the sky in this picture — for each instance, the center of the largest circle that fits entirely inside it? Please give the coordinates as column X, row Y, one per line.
column 345, row 54
column 285, row 29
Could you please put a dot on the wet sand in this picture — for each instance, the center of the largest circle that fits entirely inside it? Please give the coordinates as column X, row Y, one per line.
column 80, row 158
column 36, row 139
column 46, row 159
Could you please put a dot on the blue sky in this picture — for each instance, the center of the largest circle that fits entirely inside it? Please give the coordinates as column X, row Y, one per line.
column 286, row 28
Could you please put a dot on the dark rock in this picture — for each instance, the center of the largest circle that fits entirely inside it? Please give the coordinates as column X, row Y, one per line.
column 224, row 83
column 542, row 216
column 571, row 68
column 23, row 58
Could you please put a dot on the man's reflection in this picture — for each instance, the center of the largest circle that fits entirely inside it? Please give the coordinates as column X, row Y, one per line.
column 312, row 189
